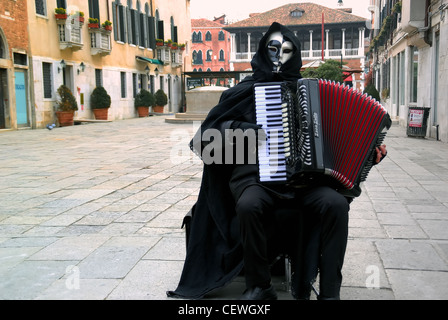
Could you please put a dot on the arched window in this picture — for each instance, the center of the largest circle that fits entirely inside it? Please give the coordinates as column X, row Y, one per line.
column 208, row 36
column 221, row 55
column 199, row 38
column 209, row 55
column 197, row 57
column 209, row 70
column 3, row 49
column 221, row 36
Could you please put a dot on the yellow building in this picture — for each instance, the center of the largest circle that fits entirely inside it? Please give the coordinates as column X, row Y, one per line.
column 124, row 59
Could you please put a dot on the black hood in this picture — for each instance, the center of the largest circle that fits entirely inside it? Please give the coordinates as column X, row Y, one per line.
column 237, row 102
column 263, row 66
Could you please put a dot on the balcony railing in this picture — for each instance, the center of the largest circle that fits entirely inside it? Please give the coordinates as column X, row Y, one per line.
column 70, row 35
column 314, row 54
column 100, row 41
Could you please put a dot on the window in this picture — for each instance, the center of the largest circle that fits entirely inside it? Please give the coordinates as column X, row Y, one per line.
column 209, row 55
column 198, row 37
column 414, row 74
column 98, row 77
column 41, row 7
column 134, row 85
column 208, row 36
column 297, row 13
column 94, row 9
column 123, row 84
column 197, row 57
column 151, row 83
column 221, row 36
column 20, row 59
column 221, row 55
column 119, row 22
column 47, row 80
column 61, row 4
column 2, row 48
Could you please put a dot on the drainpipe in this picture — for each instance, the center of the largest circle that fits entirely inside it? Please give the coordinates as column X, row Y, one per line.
column 427, row 28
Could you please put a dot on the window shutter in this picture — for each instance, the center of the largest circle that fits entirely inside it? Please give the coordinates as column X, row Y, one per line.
column 152, row 32
column 114, row 20
column 46, row 75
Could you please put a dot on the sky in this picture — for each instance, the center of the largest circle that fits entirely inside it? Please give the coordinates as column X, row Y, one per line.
column 236, row 10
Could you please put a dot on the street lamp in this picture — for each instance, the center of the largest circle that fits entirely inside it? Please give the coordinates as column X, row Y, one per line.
column 340, row 3
column 62, row 65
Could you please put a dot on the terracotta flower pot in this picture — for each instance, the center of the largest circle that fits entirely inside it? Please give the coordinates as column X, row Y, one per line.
column 65, row 118
column 158, row 109
column 143, row 111
column 101, row 114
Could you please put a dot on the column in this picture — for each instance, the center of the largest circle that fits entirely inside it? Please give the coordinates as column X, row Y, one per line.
column 232, row 47
column 326, row 42
column 343, row 42
column 248, row 46
column 311, row 43
column 362, row 41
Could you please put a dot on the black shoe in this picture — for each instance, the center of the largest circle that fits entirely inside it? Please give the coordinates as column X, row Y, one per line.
column 257, row 293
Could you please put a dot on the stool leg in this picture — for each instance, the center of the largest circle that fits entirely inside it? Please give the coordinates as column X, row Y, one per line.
column 287, row 274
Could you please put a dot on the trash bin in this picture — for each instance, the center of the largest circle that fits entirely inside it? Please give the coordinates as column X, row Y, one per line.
column 417, row 121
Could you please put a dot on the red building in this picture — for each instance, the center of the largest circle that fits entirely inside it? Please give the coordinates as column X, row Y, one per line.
column 210, row 45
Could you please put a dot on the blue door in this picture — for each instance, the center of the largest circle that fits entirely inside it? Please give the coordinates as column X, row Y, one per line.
column 21, row 105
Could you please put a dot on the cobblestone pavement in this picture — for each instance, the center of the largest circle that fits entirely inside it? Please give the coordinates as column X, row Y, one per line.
column 93, row 211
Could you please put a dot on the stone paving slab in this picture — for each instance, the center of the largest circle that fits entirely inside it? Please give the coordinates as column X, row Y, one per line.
column 93, row 211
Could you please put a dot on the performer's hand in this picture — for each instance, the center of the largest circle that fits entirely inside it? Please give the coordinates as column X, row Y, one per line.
column 381, row 153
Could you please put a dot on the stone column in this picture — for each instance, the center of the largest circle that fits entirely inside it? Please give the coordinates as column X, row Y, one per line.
column 311, row 43
column 248, row 46
column 343, row 42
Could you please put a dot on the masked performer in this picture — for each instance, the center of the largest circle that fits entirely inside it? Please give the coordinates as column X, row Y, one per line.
column 230, row 227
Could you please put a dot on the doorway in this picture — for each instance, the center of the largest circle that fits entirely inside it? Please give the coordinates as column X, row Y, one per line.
column 21, row 99
column 3, row 98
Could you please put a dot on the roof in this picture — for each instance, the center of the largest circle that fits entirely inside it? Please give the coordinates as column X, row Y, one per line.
column 205, row 23
column 311, row 14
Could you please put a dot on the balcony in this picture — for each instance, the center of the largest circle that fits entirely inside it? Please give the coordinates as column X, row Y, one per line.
column 70, row 34
column 100, row 43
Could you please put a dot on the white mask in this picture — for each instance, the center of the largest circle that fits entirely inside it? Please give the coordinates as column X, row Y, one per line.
column 279, row 50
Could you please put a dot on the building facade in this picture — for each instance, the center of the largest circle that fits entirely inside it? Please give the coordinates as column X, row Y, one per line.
column 80, row 52
column 210, row 45
column 409, row 55
column 324, row 33
column 14, row 71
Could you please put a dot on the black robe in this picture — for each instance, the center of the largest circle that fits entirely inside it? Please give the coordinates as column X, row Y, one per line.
column 214, row 253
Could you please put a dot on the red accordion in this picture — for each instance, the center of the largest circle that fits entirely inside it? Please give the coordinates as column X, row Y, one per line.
column 318, row 130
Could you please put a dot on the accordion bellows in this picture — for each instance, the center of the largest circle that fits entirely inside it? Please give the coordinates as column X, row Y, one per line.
column 318, row 131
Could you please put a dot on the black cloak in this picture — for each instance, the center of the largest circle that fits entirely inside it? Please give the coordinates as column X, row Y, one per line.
column 214, row 254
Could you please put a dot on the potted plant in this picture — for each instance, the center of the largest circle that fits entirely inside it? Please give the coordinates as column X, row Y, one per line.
column 80, row 16
column 160, row 101
column 168, row 43
column 100, row 103
column 182, row 46
column 174, row 46
column 159, row 42
column 107, row 25
column 143, row 101
column 60, row 13
column 93, row 23
column 66, row 106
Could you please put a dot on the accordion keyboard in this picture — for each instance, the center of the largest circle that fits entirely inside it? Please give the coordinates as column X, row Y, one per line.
column 269, row 112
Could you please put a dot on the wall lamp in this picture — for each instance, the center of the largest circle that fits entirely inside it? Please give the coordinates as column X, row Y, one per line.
column 156, row 71
column 147, row 71
column 62, row 65
column 82, row 67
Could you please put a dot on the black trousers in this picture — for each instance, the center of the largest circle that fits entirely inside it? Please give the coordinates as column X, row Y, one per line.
column 321, row 205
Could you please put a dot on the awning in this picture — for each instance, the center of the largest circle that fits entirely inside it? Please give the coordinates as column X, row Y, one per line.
column 153, row 61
